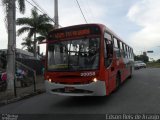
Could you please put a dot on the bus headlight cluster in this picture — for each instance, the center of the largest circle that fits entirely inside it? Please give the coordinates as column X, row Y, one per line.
column 94, row 79
column 50, row 80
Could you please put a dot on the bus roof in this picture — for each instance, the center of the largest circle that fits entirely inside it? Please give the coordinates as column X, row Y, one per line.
column 102, row 26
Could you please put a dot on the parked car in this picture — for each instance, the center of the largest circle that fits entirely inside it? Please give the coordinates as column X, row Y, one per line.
column 3, row 80
column 139, row 64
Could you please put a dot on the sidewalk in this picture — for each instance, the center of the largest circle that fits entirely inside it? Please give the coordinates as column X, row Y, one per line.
column 23, row 92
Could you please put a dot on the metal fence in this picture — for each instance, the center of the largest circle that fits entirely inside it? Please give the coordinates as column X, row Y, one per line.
column 28, row 79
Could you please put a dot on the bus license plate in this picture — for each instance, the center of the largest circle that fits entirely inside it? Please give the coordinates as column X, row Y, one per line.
column 69, row 89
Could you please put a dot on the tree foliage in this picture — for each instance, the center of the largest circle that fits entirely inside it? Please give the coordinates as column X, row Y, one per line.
column 34, row 25
column 5, row 4
column 28, row 43
column 158, row 60
column 143, row 58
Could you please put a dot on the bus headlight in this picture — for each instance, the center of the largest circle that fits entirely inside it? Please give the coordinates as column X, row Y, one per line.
column 94, row 79
column 50, row 80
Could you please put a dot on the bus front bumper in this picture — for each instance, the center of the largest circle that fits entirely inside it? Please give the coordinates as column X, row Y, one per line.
column 92, row 89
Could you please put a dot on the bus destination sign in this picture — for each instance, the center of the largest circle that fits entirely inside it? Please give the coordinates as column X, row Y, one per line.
column 71, row 33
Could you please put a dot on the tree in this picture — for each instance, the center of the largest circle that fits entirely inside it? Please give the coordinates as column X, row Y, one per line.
column 158, row 60
column 44, row 32
column 8, row 3
column 143, row 58
column 9, row 6
column 28, row 43
column 34, row 25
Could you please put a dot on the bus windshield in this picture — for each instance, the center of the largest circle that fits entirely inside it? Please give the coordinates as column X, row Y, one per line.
column 74, row 55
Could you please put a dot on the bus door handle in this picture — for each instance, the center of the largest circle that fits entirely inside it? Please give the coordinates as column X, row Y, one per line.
column 112, row 68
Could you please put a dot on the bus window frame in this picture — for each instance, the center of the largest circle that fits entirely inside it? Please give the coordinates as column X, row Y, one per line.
column 125, row 51
column 115, row 39
column 105, row 49
column 129, row 49
column 70, row 39
column 117, row 48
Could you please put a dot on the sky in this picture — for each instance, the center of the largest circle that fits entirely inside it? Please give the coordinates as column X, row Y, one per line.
column 137, row 22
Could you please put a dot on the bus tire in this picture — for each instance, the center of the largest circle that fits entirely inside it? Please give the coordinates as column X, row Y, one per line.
column 130, row 76
column 118, row 80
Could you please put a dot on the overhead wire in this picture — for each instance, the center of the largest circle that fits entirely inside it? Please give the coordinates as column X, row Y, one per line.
column 40, row 9
column 81, row 11
column 90, row 9
column 34, row 6
column 85, row 10
column 39, row 6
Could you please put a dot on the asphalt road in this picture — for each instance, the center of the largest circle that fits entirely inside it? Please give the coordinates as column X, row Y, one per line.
column 141, row 94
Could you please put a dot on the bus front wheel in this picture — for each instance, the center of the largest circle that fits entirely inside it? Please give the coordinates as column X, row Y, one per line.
column 118, row 80
column 130, row 76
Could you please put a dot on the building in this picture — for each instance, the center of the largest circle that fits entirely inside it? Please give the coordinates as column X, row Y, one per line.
column 24, row 57
column 21, row 54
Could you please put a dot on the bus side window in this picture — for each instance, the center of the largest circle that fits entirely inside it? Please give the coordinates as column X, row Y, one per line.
column 127, row 48
column 108, row 49
column 132, row 54
column 117, row 48
column 123, row 52
column 121, row 48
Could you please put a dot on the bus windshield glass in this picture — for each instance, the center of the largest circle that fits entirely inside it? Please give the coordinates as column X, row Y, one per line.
column 74, row 55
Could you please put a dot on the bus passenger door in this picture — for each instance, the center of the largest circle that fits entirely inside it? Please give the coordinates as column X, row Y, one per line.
column 109, row 63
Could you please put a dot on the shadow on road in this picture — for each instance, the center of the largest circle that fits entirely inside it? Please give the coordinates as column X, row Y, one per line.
column 83, row 101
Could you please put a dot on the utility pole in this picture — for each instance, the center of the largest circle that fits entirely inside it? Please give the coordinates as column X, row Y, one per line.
column 56, row 14
column 11, row 47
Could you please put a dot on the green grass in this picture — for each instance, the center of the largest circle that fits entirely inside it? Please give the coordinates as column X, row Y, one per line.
column 153, row 64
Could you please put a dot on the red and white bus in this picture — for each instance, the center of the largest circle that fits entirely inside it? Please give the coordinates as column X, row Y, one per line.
column 86, row 60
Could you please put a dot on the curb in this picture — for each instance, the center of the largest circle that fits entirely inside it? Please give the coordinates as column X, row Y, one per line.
column 6, row 102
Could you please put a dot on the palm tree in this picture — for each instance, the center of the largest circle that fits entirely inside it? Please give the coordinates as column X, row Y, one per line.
column 6, row 4
column 28, row 43
column 9, row 7
column 34, row 25
column 44, row 32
